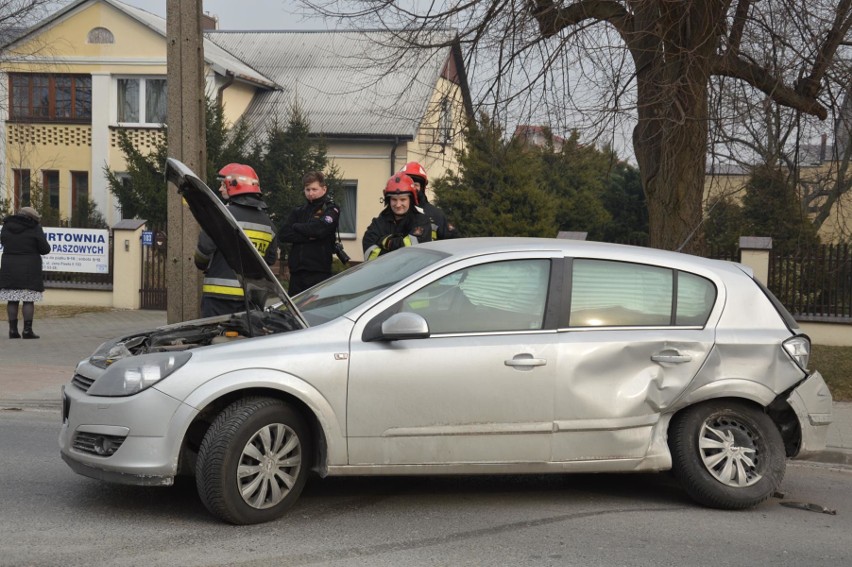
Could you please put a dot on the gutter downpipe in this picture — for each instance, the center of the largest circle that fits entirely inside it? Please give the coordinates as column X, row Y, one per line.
column 393, row 155
column 228, row 82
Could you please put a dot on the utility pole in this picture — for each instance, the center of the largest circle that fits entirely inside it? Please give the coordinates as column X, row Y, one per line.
column 187, row 143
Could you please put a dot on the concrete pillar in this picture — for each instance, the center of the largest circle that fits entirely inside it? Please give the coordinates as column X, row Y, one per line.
column 127, row 261
column 106, row 202
column 187, row 143
column 754, row 252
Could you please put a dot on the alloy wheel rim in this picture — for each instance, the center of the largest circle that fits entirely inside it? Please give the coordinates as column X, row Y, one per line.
column 269, row 466
column 730, row 451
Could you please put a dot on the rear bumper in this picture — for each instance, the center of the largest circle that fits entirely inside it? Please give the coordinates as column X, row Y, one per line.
column 811, row 401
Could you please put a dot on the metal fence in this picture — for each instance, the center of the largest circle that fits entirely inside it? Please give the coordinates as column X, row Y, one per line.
column 815, row 283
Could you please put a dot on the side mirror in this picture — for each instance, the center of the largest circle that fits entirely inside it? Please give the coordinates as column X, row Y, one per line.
column 405, row 326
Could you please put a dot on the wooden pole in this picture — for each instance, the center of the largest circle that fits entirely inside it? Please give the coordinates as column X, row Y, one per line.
column 187, row 143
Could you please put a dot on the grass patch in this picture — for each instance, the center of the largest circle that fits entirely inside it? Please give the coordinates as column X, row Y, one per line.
column 835, row 365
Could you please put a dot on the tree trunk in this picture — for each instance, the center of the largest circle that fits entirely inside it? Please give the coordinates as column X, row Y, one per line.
column 671, row 46
column 671, row 158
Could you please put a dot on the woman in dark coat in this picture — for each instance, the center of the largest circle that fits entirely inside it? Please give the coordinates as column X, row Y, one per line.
column 24, row 244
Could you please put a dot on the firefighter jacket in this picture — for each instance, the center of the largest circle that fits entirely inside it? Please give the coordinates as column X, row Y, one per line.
column 311, row 229
column 387, row 233
column 442, row 229
column 219, row 279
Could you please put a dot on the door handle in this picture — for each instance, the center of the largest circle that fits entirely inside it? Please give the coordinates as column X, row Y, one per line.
column 525, row 362
column 671, row 356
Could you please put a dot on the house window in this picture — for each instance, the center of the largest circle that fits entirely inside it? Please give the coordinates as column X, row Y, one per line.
column 141, row 100
column 50, row 183
column 446, row 122
column 22, row 188
column 79, row 191
column 54, row 98
column 348, row 202
column 124, row 188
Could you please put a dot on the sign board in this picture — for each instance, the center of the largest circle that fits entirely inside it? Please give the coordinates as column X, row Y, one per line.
column 83, row 250
column 147, row 238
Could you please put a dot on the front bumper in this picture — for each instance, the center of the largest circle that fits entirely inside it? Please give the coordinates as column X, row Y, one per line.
column 811, row 401
column 147, row 429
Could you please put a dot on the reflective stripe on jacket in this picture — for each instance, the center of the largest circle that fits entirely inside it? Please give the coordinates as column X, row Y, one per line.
column 219, row 279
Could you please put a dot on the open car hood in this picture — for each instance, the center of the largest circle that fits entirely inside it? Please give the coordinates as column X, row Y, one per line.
column 217, row 221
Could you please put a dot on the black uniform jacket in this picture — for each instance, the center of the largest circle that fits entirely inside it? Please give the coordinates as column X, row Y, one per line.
column 386, row 233
column 219, row 279
column 24, row 244
column 311, row 230
column 442, row 229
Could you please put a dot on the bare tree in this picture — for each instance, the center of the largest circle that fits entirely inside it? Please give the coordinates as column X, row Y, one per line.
column 652, row 62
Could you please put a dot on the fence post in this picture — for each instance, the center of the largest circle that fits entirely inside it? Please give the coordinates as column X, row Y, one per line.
column 754, row 253
column 127, row 263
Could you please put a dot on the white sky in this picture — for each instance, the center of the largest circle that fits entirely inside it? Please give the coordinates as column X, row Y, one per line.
column 242, row 14
column 247, row 14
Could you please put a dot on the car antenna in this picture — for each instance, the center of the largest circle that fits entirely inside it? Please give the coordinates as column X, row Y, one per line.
column 704, row 217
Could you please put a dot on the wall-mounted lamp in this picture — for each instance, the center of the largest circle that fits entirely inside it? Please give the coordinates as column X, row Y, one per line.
column 127, row 246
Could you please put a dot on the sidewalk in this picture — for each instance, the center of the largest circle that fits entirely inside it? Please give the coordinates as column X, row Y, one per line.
column 32, row 372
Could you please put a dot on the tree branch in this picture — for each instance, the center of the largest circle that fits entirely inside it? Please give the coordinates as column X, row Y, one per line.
column 551, row 20
column 772, row 86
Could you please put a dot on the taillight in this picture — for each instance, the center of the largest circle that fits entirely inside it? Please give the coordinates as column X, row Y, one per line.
column 799, row 349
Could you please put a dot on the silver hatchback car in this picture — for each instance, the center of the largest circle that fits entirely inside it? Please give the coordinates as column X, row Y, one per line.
column 480, row 355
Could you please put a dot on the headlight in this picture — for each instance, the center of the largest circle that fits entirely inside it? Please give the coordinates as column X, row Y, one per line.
column 114, row 350
column 799, row 349
column 132, row 375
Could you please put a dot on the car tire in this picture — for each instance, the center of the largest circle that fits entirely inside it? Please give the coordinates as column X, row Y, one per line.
column 727, row 454
column 253, row 461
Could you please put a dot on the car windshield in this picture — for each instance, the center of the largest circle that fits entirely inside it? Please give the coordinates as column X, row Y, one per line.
column 349, row 289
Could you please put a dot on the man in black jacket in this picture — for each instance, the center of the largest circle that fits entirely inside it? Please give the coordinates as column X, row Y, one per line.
column 401, row 223
column 311, row 230
column 221, row 290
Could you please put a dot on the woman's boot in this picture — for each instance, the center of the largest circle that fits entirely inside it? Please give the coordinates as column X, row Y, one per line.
column 28, row 331
column 13, row 329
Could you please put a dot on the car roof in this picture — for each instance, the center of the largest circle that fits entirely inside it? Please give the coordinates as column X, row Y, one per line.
column 582, row 249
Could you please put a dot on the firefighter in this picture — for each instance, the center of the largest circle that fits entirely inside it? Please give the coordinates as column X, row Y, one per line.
column 441, row 227
column 311, row 229
column 401, row 223
column 221, row 291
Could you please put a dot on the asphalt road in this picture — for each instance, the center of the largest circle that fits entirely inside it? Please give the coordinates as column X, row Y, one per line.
column 51, row 516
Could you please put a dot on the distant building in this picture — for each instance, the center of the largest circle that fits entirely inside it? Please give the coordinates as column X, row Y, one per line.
column 536, row 136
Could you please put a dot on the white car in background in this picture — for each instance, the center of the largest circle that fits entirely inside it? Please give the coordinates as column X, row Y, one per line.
column 479, row 355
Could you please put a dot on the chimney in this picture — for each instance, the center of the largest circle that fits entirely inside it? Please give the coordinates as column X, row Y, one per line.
column 209, row 22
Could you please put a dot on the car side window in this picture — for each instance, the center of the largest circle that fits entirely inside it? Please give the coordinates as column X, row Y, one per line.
column 606, row 294
column 695, row 299
column 500, row 296
column 622, row 294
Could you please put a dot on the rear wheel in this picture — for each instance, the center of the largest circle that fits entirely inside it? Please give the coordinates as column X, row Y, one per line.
column 727, row 454
column 253, row 461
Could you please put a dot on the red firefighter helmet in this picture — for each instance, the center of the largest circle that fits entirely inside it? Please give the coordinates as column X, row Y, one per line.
column 239, row 179
column 401, row 184
column 416, row 172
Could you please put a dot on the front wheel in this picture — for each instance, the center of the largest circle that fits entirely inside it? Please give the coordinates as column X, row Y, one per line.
column 727, row 454
column 253, row 461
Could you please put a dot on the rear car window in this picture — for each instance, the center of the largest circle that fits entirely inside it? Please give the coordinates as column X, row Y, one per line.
column 623, row 294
